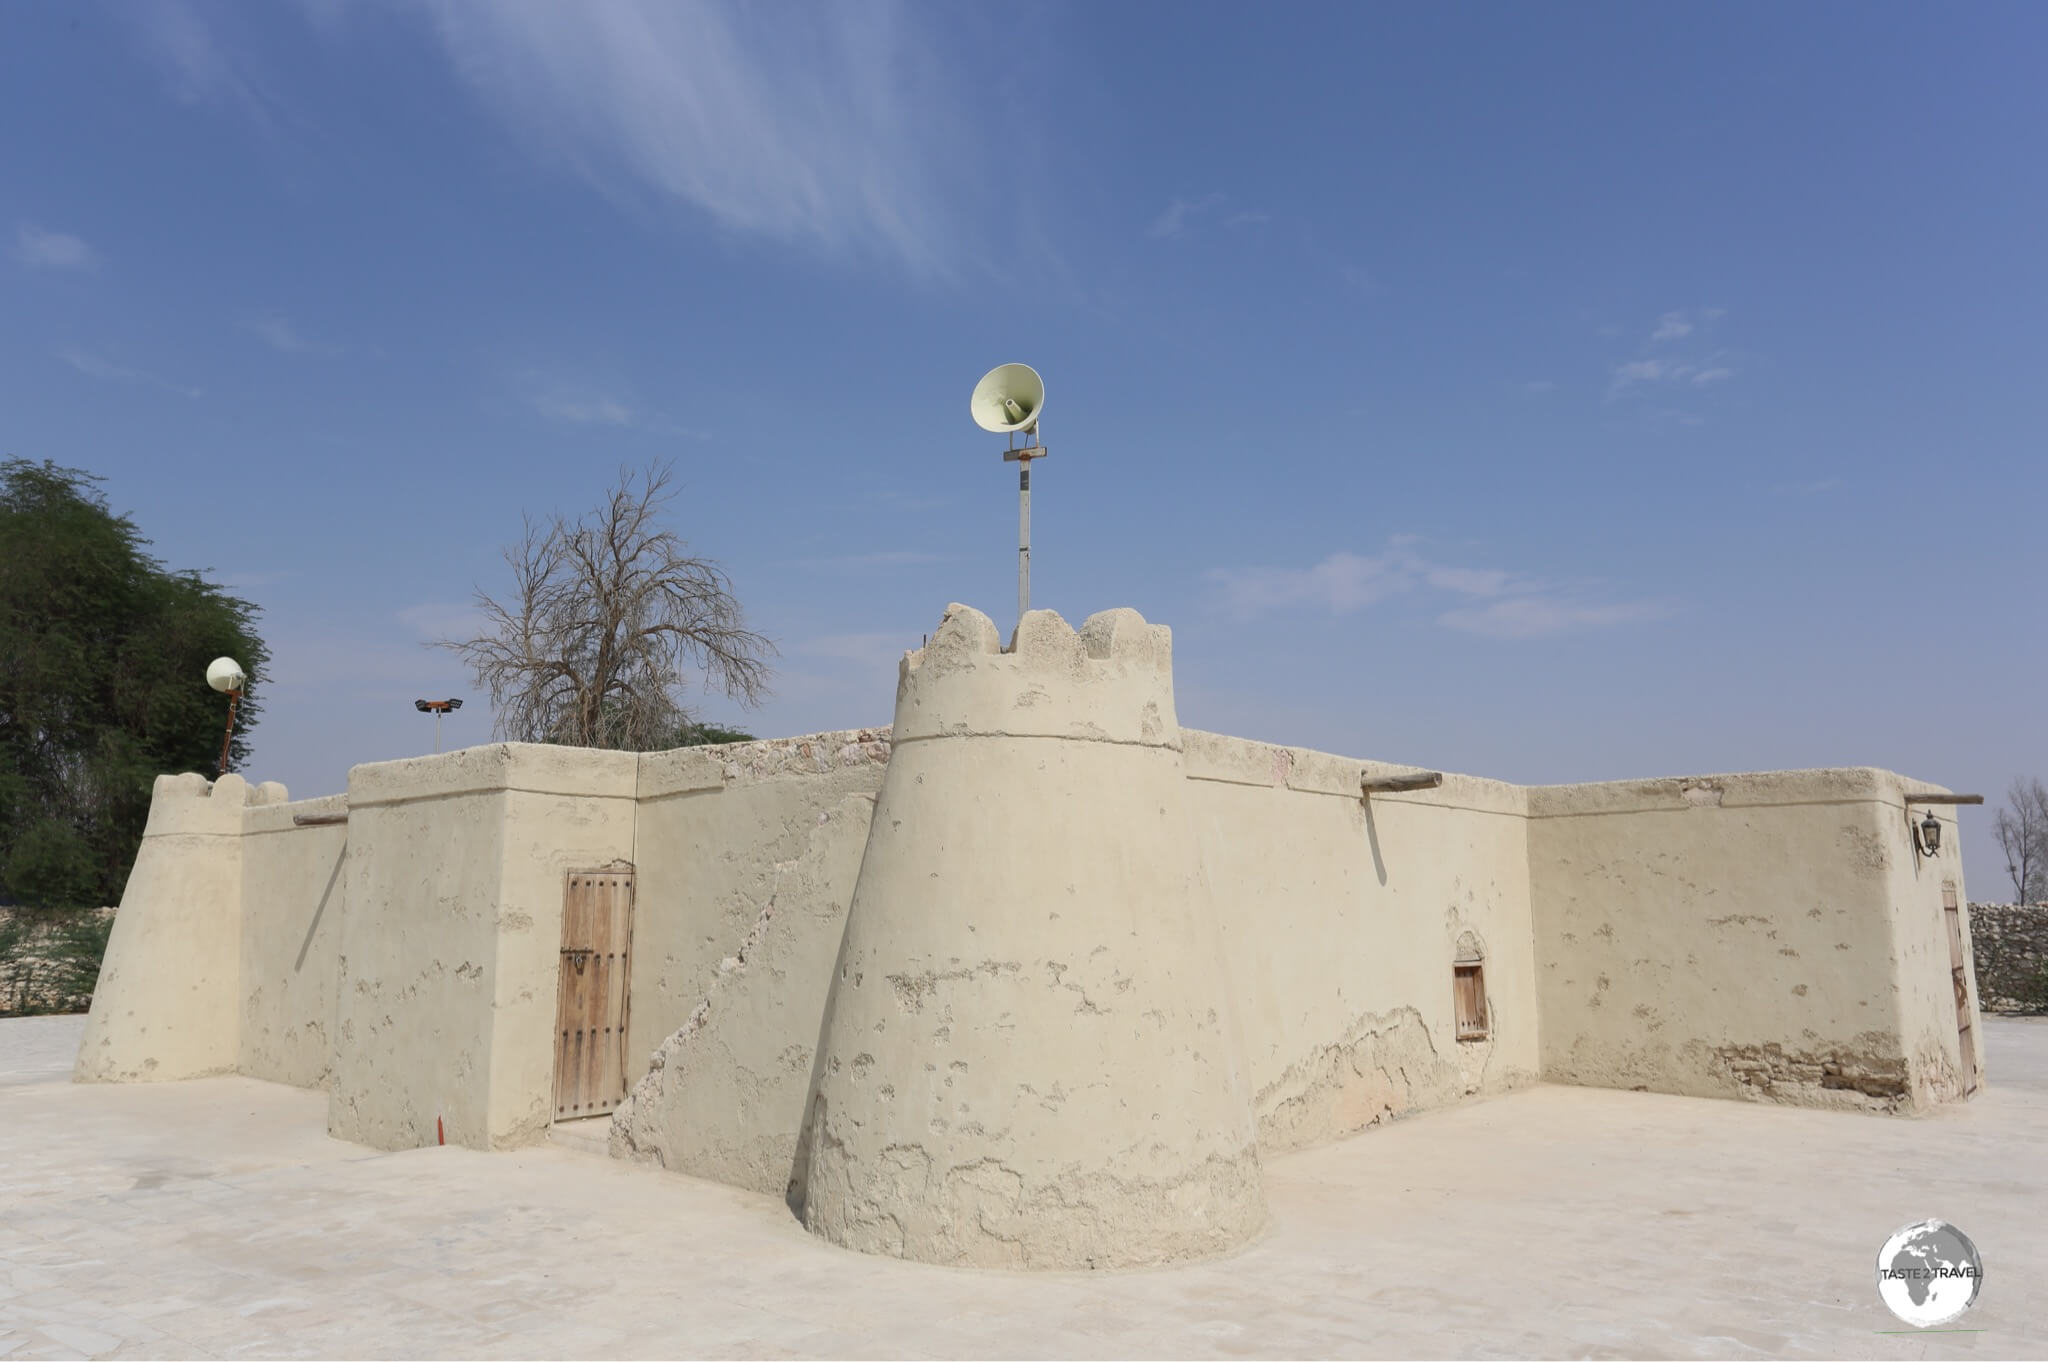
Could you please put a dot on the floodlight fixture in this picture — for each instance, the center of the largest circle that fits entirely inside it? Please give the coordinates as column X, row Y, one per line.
column 436, row 708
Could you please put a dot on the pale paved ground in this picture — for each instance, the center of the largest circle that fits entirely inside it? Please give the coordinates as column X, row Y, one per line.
column 216, row 1218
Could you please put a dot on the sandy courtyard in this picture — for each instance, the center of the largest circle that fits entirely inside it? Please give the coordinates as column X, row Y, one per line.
column 215, row 1218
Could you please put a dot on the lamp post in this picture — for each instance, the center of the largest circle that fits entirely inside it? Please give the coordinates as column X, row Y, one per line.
column 436, row 708
column 225, row 675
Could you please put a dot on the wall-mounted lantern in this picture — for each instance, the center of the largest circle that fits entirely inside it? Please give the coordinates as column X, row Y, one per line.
column 1926, row 834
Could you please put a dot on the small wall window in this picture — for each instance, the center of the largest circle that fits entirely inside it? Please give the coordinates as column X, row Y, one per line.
column 1468, row 979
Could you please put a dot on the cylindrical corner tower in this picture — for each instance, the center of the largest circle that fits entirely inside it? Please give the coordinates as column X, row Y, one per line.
column 1028, row 1057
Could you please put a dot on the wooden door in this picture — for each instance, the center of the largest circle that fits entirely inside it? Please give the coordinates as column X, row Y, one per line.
column 1959, row 977
column 593, row 1008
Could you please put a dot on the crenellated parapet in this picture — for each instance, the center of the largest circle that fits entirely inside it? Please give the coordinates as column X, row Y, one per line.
column 1110, row 681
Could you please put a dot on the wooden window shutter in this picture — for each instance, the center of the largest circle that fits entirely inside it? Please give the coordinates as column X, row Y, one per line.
column 1468, row 981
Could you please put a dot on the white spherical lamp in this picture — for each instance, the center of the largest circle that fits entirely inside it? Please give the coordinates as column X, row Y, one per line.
column 225, row 675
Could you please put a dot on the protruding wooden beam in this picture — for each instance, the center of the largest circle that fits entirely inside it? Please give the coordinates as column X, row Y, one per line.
column 1944, row 799
column 1426, row 780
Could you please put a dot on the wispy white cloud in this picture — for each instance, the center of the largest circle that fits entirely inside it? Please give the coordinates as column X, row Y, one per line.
column 1816, row 487
column 1469, row 581
column 585, row 411
column 1174, row 219
column 273, row 330
column 376, row 666
column 1672, row 365
column 1671, row 326
column 249, row 581
column 88, row 363
column 43, row 250
column 1537, row 616
column 430, row 620
column 1357, row 278
column 1649, row 370
column 1539, row 386
column 196, row 63
column 576, row 403
column 829, row 126
column 1500, row 604
column 871, row 651
column 1341, row 583
column 897, row 499
column 882, row 559
column 837, row 681
column 1182, row 215
column 1639, row 371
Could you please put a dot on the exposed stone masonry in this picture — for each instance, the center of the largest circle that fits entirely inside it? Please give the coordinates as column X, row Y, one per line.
column 2011, row 947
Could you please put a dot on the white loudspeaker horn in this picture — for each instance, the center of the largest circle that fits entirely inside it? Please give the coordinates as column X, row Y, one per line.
column 225, row 674
column 1008, row 398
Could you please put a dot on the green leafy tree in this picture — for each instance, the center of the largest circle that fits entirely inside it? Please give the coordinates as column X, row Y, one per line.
column 103, row 652
column 694, row 734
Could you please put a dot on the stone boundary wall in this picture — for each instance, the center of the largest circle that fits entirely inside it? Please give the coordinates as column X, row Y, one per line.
column 2011, row 948
column 44, row 971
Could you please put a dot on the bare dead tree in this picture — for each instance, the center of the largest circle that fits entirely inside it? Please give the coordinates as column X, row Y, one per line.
column 2022, row 831
column 607, row 621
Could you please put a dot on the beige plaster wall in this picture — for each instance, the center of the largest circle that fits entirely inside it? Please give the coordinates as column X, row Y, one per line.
column 1339, row 923
column 450, row 950
column 1028, row 1057
column 748, row 856
column 1734, row 936
column 1929, row 1032
column 294, row 898
column 168, row 1001
column 1341, row 918
column 1767, row 935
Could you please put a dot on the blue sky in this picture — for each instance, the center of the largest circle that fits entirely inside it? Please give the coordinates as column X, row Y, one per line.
column 1550, row 393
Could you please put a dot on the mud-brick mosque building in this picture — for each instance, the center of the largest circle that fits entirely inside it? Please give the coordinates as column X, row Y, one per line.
column 1034, row 977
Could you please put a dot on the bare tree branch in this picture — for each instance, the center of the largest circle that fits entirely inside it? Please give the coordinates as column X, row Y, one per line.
column 607, row 620
column 2022, row 831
